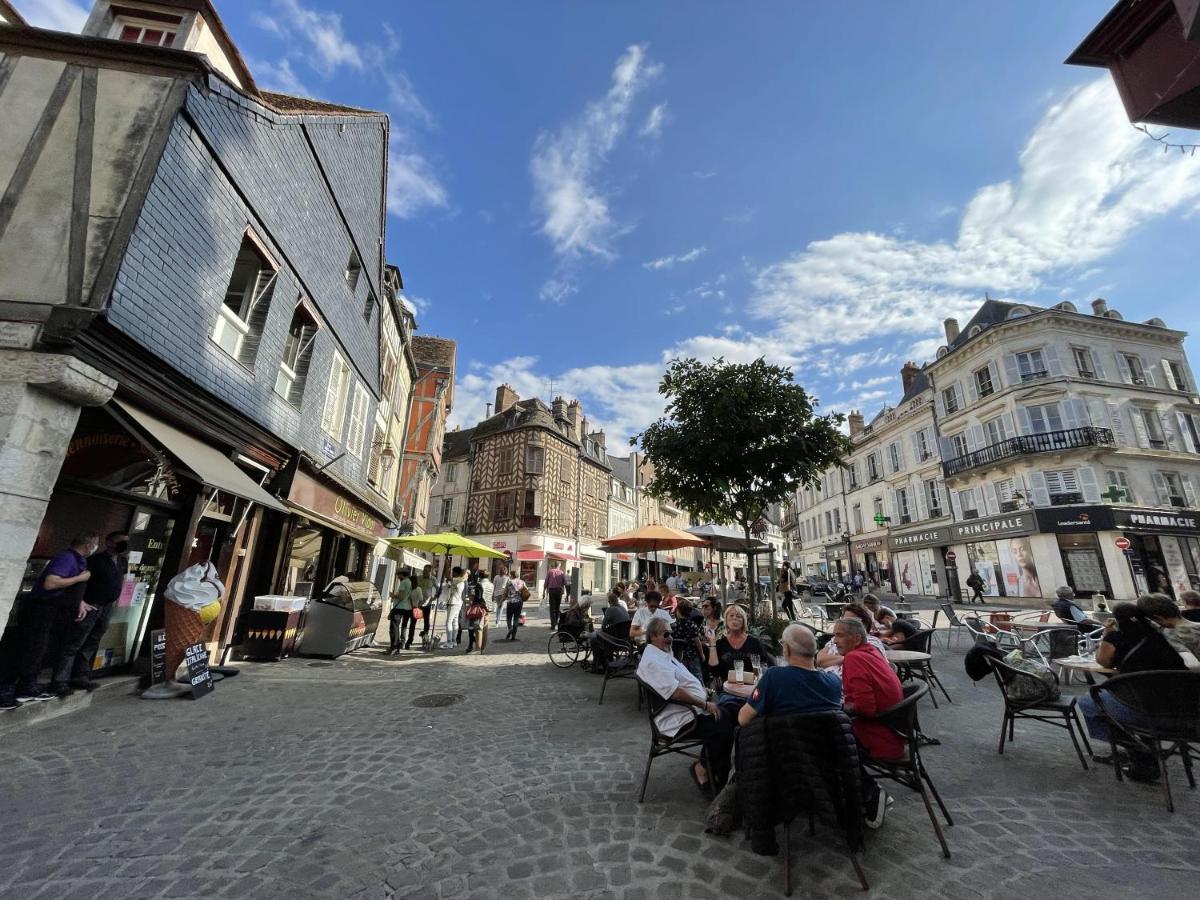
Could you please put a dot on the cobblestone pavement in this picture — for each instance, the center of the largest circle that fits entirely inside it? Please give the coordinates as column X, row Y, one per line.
column 321, row 779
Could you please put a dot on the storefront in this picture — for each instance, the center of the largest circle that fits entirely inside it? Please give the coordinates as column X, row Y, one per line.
column 1008, row 554
column 1077, row 537
column 1164, row 551
column 837, row 559
column 918, row 557
column 870, row 556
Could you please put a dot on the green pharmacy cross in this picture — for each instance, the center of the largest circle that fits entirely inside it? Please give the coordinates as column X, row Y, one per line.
column 882, row 520
column 1114, row 494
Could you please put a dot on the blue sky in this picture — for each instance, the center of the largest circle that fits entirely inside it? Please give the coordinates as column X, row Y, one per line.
column 580, row 191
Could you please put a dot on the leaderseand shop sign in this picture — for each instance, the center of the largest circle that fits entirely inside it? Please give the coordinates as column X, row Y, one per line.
column 997, row 526
column 1185, row 521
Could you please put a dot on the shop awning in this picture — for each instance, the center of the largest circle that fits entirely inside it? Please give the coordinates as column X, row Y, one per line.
column 530, row 555
column 406, row 557
column 206, row 462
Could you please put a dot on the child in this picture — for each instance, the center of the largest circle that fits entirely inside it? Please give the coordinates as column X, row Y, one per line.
column 476, row 616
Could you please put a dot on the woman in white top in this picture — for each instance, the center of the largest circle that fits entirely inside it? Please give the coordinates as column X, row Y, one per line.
column 500, row 590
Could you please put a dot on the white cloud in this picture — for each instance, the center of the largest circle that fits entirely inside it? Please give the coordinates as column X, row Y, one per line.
column 412, row 184
column 1086, row 181
column 566, row 164
column 404, row 99
column 57, row 15
column 322, row 31
column 416, row 305
column 654, row 121
column 279, row 77
column 669, row 262
column 559, row 287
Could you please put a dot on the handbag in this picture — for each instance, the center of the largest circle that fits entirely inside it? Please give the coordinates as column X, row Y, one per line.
column 522, row 618
column 524, row 593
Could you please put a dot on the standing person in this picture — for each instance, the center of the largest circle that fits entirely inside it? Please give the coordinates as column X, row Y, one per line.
column 556, row 583
column 514, row 603
column 786, row 585
column 42, row 614
column 858, row 582
column 500, row 590
column 453, row 592
column 429, row 591
column 476, row 617
column 975, row 583
column 401, row 615
column 83, row 636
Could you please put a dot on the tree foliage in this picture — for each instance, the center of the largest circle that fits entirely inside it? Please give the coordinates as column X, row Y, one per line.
column 737, row 438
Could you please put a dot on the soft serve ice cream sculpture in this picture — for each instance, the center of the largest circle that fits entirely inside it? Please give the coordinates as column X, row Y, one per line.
column 193, row 603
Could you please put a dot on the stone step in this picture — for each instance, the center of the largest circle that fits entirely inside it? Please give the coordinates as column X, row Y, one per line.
column 29, row 714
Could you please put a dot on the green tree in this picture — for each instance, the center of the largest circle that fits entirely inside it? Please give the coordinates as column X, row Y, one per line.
column 737, row 438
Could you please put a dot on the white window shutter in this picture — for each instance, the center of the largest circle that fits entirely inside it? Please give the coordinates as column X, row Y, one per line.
column 1023, row 420
column 1139, row 428
column 1169, row 376
column 947, row 448
column 916, row 445
column 1189, row 490
column 1185, row 433
column 975, row 439
column 991, row 503
column 1037, row 489
column 1123, row 369
column 1168, row 426
column 938, row 405
column 919, row 506
column 1116, row 423
column 331, row 399
column 955, row 506
column 1053, row 363
column 1097, row 366
column 900, row 454
column 1073, row 415
column 1149, row 370
column 1088, row 485
column 1012, row 374
column 1162, row 489
column 972, row 388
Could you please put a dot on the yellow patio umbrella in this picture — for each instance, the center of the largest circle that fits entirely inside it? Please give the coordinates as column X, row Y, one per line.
column 446, row 543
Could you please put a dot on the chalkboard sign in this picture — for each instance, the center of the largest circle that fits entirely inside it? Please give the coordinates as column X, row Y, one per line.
column 199, row 677
column 158, row 656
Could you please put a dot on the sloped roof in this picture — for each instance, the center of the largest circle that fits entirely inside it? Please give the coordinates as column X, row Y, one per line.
column 623, row 469
column 434, row 351
column 288, row 103
column 531, row 413
column 917, row 386
column 992, row 312
column 11, row 13
column 457, row 443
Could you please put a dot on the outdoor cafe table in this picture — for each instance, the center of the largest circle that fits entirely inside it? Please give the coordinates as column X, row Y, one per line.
column 1089, row 667
column 906, row 656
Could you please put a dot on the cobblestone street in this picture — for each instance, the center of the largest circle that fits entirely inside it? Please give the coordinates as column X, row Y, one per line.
column 317, row 779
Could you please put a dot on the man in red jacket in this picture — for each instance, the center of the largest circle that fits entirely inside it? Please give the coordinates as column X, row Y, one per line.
column 869, row 686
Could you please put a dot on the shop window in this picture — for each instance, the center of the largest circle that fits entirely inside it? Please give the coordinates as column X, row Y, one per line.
column 337, row 390
column 950, row 399
column 1031, row 365
column 535, row 459
column 243, row 313
column 358, row 421
column 983, row 382
column 1084, row 364
column 1119, row 490
column 1044, row 418
column 1063, row 487
column 297, row 351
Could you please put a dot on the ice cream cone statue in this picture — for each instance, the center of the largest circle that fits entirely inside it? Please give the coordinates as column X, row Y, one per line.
column 193, row 603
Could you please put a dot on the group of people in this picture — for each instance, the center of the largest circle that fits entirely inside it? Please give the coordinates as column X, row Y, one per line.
column 61, row 622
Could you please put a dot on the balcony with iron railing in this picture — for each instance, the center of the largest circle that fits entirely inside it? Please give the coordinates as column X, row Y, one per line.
column 1027, row 444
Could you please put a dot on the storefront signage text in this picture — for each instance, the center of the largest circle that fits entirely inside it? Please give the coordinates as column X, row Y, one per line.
column 868, row 546
column 930, row 537
column 998, row 526
column 1075, row 518
column 1183, row 522
column 347, row 512
column 310, row 494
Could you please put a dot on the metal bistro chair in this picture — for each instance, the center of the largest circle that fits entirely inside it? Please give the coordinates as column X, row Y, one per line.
column 1167, row 705
column 663, row 745
column 955, row 623
column 909, row 770
column 1028, row 697
column 623, row 657
column 987, row 633
column 922, row 670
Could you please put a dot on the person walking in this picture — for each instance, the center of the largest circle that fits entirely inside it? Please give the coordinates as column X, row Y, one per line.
column 401, row 616
column 453, row 591
column 41, row 618
column 514, row 603
column 787, row 586
column 82, row 636
column 556, row 583
column 428, row 587
column 975, row 583
column 500, row 590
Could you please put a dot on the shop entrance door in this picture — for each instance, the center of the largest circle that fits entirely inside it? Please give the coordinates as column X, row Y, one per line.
column 1084, row 566
column 1148, row 565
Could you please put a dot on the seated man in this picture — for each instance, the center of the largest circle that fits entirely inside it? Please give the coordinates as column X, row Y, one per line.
column 874, row 607
column 1191, row 605
column 616, row 615
column 670, row 679
column 797, row 686
column 893, row 630
column 1071, row 612
column 1179, row 632
column 869, row 686
column 652, row 610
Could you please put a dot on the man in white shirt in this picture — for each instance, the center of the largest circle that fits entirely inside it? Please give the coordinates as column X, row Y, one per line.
column 688, row 711
column 642, row 618
column 500, row 590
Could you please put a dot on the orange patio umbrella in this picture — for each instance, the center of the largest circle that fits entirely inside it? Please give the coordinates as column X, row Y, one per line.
column 652, row 538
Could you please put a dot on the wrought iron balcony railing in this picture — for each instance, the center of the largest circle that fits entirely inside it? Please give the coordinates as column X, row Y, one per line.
column 1026, row 444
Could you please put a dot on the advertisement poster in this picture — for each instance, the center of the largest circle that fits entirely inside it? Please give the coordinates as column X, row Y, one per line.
column 985, row 561
column 1176, row 570
column 928, row 570
column 1018, row 570
column 908, row 573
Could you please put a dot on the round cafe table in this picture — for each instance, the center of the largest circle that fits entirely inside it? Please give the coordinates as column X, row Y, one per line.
column 1085, row 664
column 906, row 656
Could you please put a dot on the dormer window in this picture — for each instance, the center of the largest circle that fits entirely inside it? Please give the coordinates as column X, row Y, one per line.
column 137, row 26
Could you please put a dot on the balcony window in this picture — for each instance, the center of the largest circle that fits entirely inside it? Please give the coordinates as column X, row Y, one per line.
column 1133, row 364
column 1032, row 365
column 1084, row 364
column 983, row 382
column 994, row 430
column 959, row 443
column 1044, row 418
column 950, row 399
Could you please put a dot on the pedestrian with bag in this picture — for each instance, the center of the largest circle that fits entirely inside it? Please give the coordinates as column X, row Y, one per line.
column 476, row 618
column 453, row 592
column 975, row 583
column 401, row 616
column 81, row 638
column 500, row 590
column 518, row 593
column 429, row 591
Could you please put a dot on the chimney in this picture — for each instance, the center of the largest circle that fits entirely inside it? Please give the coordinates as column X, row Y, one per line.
column 559, row 408
column 1099, row 306
column 505, row 398
column 951, row 330
column 573, row 417
column 598, row 437
column 856, row 422
column 908, row 373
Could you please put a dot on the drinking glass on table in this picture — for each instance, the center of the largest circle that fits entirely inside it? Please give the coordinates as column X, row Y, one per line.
column 739, row 669
column 756, row 665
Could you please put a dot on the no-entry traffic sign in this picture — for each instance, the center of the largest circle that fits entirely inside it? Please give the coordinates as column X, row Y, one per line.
column 1122, row 543
column 950, row 556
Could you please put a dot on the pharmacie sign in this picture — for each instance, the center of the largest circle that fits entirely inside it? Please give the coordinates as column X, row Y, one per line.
column 926, row 537
column 997, row 526
column 1185, row 521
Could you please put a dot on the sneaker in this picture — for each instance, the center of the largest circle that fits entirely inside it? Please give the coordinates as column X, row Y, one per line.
column 35, row 697
column 877, row 809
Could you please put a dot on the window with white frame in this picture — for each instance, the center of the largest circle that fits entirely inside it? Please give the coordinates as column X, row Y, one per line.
column 1118, row 490
column 1137, row 373
column 853, row 474
column 297, row 352
column 447, row 512
column 144, row 31
column 1189, row 427
column 983, row 382
column 993, row 430
column 950, row 399
column 902, row 505
column 505, row 507
column 856, row 515
column 1153, row 425
column 894, row 456
column 966, row 503
column 508, row 460
column 958, row 442
column 923, row 448
column 933, row 497
column 337, row 390
column 837, row 521
column 1170, row 489
column 243, row 313
column 535, row 459
column 1044, row 418
column 1063, row 486
column 356, row 435
column 1031, row 364
column 1084, row 364
column 452, row 473
column 873, row 467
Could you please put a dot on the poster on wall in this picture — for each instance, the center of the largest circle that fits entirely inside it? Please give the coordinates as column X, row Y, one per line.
column 1018, row 569
column 908, row 574
column 1176, row 570
column 985, row 561
column 928, row 568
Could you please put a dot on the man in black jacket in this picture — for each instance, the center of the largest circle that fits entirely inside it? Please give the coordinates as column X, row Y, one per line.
column 108, row 567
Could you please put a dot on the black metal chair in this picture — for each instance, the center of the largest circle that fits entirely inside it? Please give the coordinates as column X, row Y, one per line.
column 922, row 669
column 909, row 770
column 621, row 656
column 1167, row 710
column 1028, row 697
column 663, row 745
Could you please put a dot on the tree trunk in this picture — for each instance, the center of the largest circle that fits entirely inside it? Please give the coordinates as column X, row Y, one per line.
column 751, row 576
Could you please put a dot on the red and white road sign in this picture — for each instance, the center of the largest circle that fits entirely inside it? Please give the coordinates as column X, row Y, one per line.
column 1122, row 543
